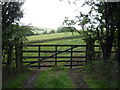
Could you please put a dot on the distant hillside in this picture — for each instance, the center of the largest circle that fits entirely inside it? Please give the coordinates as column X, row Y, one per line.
column 40, row 30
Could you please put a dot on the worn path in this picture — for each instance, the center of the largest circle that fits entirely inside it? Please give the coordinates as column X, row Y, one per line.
column 76, row 77
column 29, row 82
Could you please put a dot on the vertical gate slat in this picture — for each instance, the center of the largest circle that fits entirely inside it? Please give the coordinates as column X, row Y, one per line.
column 56, row 55
column 86, row 57
column 39, row 57
column 71, row 56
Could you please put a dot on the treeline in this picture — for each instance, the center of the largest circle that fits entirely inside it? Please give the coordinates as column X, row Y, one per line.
column 13, row 34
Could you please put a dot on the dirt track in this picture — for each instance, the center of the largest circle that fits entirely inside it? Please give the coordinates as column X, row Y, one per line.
column 76, row 77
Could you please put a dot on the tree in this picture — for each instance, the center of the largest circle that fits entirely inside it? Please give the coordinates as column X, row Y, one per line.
column 67, row 29
column 11, row 14
column 52, row 31
column 68, row 25
column 102, row 23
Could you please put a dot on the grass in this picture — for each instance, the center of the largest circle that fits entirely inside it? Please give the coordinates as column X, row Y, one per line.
column 49, row 36
column 96, row 83
column 16, row 82
column 101, row 75
column 54, row 78
column 76, row 41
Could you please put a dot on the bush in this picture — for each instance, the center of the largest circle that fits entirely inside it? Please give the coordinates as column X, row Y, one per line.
column 45, row 32
column 99, row 71
column 52, row 31
column 60, row 30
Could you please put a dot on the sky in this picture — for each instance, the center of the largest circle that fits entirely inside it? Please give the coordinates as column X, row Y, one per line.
column 50, row 13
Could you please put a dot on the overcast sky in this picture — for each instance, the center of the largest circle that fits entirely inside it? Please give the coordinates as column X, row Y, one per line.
column 49, row 13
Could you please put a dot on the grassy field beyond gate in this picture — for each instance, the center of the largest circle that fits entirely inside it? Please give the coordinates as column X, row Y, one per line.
column 75, row 41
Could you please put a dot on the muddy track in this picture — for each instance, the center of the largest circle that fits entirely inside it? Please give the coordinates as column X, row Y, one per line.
column 77, row 78
column 31, row 79
column 29, row 82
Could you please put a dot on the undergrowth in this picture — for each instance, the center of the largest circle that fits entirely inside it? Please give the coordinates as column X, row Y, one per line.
column 14, row 79
column 15, row 82
column 102, row 75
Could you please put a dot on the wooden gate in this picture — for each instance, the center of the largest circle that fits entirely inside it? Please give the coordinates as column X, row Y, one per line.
column 39, row 58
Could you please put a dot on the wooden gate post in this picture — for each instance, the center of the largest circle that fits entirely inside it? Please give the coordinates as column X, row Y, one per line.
column 19, row 55
column 89, row 49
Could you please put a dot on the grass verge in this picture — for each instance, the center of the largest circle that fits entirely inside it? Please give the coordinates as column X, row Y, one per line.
column 101, row 75
column 16, row 82
column 56, row 77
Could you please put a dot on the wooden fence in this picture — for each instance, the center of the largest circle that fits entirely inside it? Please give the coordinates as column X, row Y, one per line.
column 90, row 53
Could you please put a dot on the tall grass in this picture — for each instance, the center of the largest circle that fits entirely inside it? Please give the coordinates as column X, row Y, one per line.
column 15, row 82
column 102, row 75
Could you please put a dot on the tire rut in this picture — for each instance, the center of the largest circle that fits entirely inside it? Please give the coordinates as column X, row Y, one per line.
column 29, row 82
column 77, row 79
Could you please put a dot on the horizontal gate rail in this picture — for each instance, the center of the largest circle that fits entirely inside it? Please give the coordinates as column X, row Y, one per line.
column 54, row 57
column 53, row 61
column 56, row 45
column 27, row 51
column 53, row 65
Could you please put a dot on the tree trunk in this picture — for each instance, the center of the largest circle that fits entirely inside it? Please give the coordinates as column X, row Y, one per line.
column 110, row 30
column 90, row 50
column 18, row 51
column 118, row 46
column 118, row 54
column 9, row 58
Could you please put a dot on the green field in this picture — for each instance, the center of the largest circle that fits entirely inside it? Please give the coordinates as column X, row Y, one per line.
column 49, row 36
column 75, row 41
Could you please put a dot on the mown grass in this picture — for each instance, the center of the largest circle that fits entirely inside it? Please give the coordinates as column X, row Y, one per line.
column 76, row 41
column 15, row 82
column 56, row 77
column 49, row 36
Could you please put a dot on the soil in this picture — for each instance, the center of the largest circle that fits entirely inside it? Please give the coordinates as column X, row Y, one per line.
column 28, row 83
column 77, row 78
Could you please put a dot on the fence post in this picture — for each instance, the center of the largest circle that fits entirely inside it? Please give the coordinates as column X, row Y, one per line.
column 99, row 56
column 19, row 56
column 21, row 53
column 56, row 55
column 89, row 50
column 71, row 57
column 39, row 57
